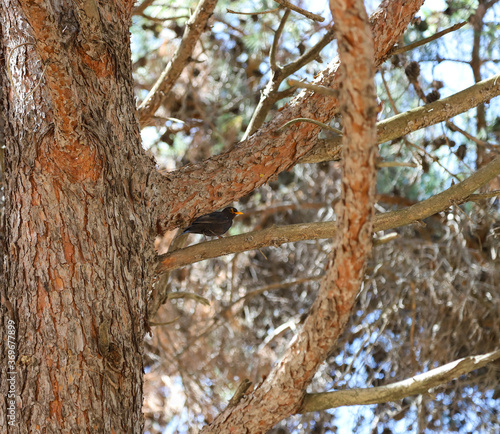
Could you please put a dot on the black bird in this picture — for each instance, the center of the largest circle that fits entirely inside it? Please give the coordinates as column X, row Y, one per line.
column 213, row 224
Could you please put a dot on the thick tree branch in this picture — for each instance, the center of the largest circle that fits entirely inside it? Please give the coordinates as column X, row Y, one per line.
column 276, row 236
column 283, row 390
column 455, row 194
column 194, row 28
column 413, row 120
column 273, row 236
column 200, row 188
column 419, row 384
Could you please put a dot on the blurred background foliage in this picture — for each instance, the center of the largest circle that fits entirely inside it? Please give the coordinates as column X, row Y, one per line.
column 430, row 297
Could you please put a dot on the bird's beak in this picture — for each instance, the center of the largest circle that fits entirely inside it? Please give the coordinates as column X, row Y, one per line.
column 237, row 212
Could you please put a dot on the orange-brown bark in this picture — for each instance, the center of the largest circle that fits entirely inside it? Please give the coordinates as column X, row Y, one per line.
column 202, row 187
column 282, row 392
column 82, row 200
column 79, row 231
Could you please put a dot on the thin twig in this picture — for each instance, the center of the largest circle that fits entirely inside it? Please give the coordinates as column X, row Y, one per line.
column 314, row 87
column 253, row 13
column 413, row 323
column 188, row 295
column 162, row 20
column 418, row 89
column 307, row 14
column 395, row 164
column 271, row 287
column 277, row 35
column 460, row 210
column 312, row 121
column 388, row 92
column 432, row 157
column 469, row 136
column 426, row 40
column 310, row 54
column 155, row 324
column 450, row 145
column 482, row 196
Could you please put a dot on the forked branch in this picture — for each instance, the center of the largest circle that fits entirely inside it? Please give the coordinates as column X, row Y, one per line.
column 276, row 236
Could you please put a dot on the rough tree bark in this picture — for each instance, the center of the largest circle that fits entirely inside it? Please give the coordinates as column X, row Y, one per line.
column 199, row 188
column 79, row 229
column 83, row 203
column 284, row 389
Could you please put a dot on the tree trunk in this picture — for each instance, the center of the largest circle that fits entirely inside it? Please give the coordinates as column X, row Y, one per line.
column 78, row 238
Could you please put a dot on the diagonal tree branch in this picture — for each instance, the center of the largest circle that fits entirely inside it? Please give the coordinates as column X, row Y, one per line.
column 310, row 54
column 455, row 194
column 276, row 236
column 413, row 120
column 270, row 94
column 283, row 390
column 194, row 28
column 437, row 35
column 417, row 385
column 277, row 35
column 307, row 14
column 140, row 8
column 201, row 188
column 472, row 138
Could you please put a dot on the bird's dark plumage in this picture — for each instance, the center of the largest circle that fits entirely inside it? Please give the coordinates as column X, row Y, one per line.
column 213, row 224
